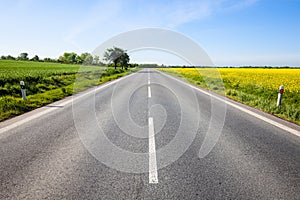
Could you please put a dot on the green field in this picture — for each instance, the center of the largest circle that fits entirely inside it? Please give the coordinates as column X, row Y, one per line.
column 46, row 83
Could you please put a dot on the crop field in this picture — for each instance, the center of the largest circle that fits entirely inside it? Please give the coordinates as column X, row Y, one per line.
column 257, row 87
column 45, row 83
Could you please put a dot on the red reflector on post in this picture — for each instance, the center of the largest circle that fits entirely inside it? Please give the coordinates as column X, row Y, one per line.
column 281, row 89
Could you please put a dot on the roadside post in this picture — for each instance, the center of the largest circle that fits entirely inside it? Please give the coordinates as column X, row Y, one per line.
column 281, row 90
column 23, row 90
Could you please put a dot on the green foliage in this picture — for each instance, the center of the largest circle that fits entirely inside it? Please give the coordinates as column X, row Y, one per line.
column 73, row 58
column 49, row 60
column 68, row 58
column 23, row 56
column 148, row 66
column 96, row 60
column 9, row 57
column 85, row 58
column 117, row 56
column 35, row 58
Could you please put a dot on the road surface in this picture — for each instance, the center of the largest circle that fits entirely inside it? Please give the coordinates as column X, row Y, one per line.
column 50, row 154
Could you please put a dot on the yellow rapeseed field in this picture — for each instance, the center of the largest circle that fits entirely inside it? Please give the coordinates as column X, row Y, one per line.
column 265, row 78
column 257, row 87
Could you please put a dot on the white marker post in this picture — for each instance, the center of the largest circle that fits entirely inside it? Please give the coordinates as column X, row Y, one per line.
column 281, row 89
column 23, row 90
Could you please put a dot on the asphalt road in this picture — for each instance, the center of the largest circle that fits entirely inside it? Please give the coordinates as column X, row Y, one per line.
column 102, row 146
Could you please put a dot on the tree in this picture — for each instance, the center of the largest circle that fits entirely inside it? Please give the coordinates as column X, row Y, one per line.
column 60, row 59
column 35, row 58
column 96, row 60
column 49, row 60
column 89, row 59
column 69, row 58
column 3, row 57
column 116, row 55
column 124, row 60
column 9, row 57
column 79, row 59
column 23, row 56
column 85, row 58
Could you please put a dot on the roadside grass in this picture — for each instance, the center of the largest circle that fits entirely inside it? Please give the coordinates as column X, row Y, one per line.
column 46, row 83
column 239, row 86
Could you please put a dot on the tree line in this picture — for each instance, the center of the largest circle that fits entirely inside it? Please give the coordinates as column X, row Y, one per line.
column 115, row 57
column 67, row 58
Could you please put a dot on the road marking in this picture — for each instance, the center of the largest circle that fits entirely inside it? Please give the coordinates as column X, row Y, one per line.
column 64, row 103
column 148, row 82
column 149, row 92
column 270, row 121
column 153, row 178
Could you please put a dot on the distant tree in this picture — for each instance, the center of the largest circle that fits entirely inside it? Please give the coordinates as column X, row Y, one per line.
column 48, row 60
column 69, row 58
column 79, row 59
column 9, row 57
column 35, row 58
column 96, row 60
column 84, row 58
column 101, row 63
column 132, row 65
column 89, row 59
column 3, row 57
column 116, row 55
column 149, row 65
column 124, row 60
column 60, row 59
column 23, row 56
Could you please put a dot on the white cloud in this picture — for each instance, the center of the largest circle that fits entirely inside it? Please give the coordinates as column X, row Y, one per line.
column 171, row 15
column 182, row 12
column 119, row 16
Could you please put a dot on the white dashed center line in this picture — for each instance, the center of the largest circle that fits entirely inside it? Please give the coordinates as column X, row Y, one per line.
column 149, row 92
column 153, row 177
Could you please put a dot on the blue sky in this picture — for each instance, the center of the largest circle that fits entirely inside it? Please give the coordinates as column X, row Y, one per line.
column 232, row 32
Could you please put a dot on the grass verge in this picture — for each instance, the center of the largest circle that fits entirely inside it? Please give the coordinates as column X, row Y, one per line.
column 45, row 88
